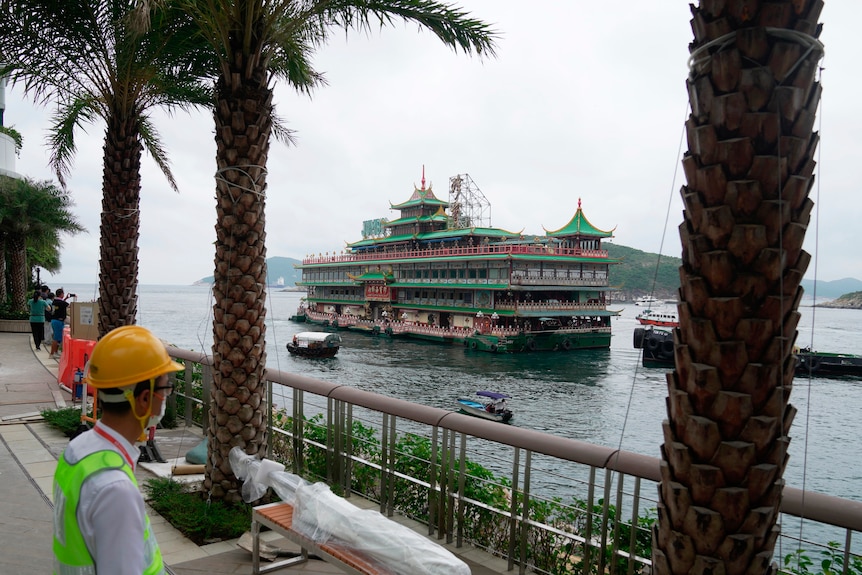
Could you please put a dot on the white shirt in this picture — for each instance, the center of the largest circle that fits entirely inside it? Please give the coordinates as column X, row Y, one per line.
column 111, row 513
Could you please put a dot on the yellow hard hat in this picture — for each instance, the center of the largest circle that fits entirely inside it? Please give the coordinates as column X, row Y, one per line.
column 126, row 356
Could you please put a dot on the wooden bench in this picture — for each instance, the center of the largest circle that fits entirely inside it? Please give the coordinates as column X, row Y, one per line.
column 279, row 518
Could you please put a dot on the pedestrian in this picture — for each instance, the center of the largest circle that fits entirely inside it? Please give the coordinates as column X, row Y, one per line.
column 49, row 299
column 59, row 307
column 38, row 306
column 100, row 524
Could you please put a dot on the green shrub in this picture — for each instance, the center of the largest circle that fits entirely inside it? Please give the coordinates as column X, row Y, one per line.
column 9, row 312
column 67, row 420
column 189, row 512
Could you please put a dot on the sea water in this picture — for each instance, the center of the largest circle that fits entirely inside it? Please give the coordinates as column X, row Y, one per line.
column 603, row 397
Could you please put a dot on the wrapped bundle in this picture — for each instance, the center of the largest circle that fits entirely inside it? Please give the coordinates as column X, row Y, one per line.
column 324, row 517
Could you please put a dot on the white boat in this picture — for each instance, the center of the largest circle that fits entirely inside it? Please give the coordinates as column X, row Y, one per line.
column 659, row 318
column 646, row 300
column 493, row 408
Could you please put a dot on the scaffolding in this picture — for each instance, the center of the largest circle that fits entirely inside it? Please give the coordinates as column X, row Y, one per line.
column 468, row 206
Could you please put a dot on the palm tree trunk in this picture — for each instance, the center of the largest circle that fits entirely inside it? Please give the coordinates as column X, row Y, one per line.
column 238, row 415
column 118, row 248
column 4, row 293
column 19, row 272
column 753, row 98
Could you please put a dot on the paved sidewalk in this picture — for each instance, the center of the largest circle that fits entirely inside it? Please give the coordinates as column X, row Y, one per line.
column 29, row 450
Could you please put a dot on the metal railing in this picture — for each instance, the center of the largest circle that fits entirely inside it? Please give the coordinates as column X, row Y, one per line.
column 551, row 504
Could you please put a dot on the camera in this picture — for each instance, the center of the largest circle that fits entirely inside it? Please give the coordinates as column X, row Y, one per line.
column 73, row 295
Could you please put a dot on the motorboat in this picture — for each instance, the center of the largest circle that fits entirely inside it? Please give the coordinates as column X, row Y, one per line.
column 314, row 344
column 658, row 318
column 492, row 406
column 646, row 300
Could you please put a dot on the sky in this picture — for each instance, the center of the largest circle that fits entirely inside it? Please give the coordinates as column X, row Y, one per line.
column 581, row 102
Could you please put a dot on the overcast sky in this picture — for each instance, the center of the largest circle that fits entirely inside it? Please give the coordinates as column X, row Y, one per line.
column 584, row 100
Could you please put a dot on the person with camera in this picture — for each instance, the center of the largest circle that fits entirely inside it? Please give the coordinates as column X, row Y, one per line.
column 58, row 320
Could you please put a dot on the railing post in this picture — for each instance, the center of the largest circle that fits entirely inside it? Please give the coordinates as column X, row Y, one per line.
column 384, row 463
column 206, row 395
column 615, row 542
column 434, row 470
column 525, row 511
column 269, row 434
column 298, row 431
column 604, row 539
column 390, row 496
column 588, row 535
column 633, row 538
column 513, row 507
column 348, row 451
column 450, row 489
column 188, row 379
column 331, row 441
column 462, row 479
column 442, row 493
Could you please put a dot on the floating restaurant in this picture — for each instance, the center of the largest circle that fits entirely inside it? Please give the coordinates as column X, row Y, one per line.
column 441, row 272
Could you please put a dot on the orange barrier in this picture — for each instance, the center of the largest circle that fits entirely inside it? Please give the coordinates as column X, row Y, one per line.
column 75, row 354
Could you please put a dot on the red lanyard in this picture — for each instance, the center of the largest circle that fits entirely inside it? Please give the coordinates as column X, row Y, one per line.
column 116, row 443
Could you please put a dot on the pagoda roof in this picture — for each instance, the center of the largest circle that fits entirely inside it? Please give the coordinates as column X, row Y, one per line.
column 421, row 197
column 436, row 236
column 579, row 225
column 436, row 217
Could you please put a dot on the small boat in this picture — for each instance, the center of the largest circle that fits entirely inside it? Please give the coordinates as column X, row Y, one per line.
column 493, row 408
column 824, row 364
column 646, row 300
column 315, row 344
column 661, row 319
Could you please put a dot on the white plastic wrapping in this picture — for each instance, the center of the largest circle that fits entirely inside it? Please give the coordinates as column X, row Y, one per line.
column 324, row 517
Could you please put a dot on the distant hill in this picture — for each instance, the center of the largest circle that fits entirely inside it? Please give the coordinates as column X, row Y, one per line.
column 847, row 301
column 634, row 277
column 833, row 289
column 276, row 267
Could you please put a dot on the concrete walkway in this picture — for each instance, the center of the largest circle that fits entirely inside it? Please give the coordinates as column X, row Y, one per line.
column 29, row 450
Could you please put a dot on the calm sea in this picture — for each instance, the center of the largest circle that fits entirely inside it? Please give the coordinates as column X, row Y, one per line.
column 603, row 397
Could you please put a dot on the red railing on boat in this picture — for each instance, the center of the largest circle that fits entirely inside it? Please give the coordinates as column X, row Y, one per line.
column 493, row 249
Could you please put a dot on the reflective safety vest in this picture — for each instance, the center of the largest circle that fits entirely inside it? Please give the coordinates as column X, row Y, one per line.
column 71, row 556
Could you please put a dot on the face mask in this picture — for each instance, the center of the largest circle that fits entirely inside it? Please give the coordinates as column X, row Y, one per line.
column 155, row 419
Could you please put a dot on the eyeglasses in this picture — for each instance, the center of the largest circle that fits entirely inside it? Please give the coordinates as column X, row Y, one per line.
column 170, row 389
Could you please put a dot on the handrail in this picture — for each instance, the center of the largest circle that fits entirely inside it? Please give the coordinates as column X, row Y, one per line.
column 490, row 249
column 811, row 505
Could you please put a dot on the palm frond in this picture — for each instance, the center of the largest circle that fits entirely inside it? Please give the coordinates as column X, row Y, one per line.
column 152, row 142
column 61, row 137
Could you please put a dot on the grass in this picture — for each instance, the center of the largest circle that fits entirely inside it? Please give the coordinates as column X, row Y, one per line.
column 189, row 512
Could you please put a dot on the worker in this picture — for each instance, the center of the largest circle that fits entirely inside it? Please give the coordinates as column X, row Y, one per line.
column 100, row 525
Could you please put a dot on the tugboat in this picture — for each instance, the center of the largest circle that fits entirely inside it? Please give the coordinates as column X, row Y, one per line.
column 657, row 346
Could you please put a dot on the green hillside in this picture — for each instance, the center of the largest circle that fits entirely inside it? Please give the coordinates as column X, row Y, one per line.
column 635, row 275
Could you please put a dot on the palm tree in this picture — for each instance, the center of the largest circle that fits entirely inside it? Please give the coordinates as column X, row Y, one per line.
column 30, row 213
column 115, row 61
column 753, row 96
column 256, row 43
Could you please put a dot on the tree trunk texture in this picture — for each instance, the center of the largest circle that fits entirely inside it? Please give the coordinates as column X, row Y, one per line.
column 243, row 121
column 119, row 230
column 4, row 292
column 753, row 96
column 19, row 272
